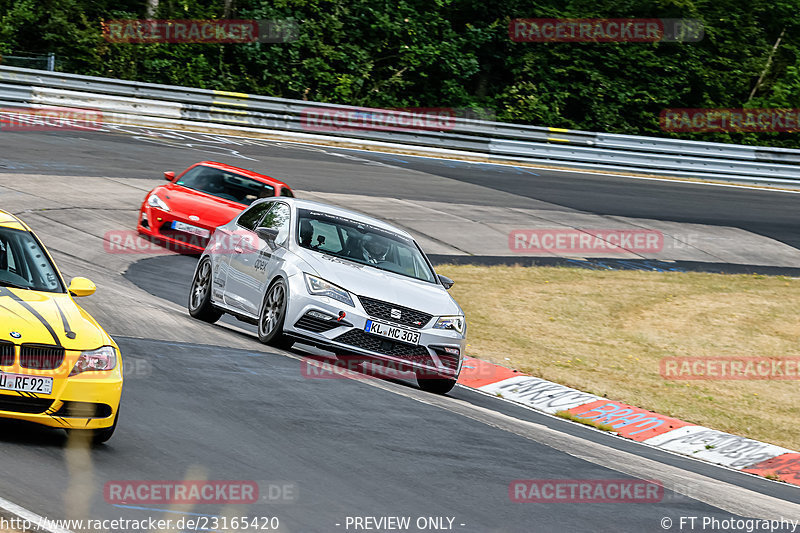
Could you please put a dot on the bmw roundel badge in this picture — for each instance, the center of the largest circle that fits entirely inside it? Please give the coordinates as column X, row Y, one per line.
column 15, row 334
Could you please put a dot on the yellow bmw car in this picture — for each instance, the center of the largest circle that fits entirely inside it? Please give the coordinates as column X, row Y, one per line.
column 58, row 367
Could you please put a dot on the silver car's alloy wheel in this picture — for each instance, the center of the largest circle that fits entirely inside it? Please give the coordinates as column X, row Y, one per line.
column 272, row 313
column 201, row 285
column 200, row 306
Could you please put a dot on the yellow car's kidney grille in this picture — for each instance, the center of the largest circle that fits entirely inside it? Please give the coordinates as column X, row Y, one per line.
column 41, row 356
column 6, row 353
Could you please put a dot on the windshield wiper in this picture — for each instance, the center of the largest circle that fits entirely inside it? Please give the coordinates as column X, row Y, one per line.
column 359, row 262
column 337, row 256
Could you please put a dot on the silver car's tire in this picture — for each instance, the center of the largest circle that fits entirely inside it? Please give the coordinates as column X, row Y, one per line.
column 200, row 294
column 436, row 385
column 273, row 315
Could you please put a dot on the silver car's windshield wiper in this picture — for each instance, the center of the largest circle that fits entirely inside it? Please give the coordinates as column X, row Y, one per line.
column 337, row 256
column 365, row 263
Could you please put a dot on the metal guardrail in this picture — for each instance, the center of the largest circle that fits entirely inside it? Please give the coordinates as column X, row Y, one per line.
column 147, row 102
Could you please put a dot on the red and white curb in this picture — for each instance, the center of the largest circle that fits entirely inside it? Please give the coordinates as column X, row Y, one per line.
column 661, row 431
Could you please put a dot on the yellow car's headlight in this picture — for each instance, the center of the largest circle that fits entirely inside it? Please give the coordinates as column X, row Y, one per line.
column 104, row 358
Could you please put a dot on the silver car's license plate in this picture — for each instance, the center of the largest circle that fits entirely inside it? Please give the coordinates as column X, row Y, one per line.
column 392, row 332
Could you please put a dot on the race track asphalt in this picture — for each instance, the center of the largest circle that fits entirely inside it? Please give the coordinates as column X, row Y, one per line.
column 205, row 405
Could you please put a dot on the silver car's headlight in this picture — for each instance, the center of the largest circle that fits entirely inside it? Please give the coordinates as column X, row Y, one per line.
column 454, row 323
column 320, row 287
column 155, row 201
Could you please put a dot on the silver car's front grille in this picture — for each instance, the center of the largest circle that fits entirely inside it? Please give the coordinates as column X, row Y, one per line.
column 373, row 343
column 395, row 313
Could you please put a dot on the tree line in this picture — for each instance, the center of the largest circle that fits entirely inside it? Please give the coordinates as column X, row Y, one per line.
column 450, row 53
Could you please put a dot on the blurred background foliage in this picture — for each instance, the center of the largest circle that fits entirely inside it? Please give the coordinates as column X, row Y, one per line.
column 449, row 53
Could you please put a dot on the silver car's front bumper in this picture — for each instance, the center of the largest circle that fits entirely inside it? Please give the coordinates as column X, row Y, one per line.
column 347, row 336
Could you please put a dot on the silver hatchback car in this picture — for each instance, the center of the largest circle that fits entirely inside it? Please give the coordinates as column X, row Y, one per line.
column 307, row 272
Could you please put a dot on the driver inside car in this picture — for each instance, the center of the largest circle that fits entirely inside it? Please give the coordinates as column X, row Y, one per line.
column 306, row 233
column 208, row 181
column 375, row 248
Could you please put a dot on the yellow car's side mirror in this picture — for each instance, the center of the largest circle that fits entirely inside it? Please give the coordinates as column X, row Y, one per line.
column 81, row 287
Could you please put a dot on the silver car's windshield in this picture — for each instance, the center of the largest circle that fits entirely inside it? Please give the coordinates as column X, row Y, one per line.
column 362, row 243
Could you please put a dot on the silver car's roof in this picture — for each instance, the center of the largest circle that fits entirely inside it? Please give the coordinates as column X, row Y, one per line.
column 300, row 203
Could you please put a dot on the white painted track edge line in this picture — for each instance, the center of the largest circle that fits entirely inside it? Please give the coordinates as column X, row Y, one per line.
column 39, row 522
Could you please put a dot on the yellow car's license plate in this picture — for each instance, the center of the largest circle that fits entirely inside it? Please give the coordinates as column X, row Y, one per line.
column 21, row 383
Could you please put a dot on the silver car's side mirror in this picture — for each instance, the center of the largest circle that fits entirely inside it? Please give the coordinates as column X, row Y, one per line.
column 268, row 234
column 447, row 282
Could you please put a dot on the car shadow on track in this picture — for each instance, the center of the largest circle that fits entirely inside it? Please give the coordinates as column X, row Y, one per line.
column 28, row 433
column 317, row 365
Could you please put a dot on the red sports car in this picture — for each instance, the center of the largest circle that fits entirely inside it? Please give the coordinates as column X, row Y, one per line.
column 184, row 213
